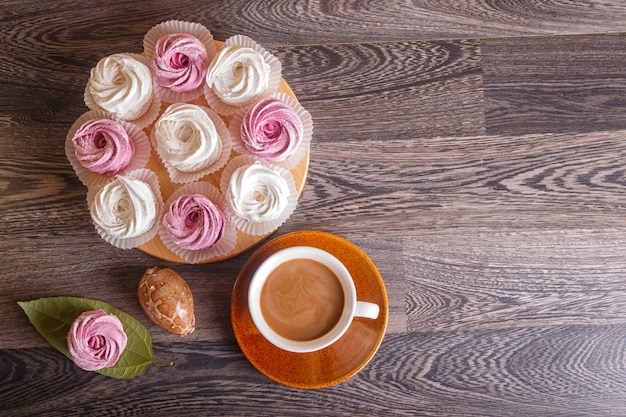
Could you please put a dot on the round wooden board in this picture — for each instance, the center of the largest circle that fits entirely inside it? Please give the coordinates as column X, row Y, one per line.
column 156, row 247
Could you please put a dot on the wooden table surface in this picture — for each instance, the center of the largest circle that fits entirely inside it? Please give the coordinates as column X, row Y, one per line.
column 475, row 150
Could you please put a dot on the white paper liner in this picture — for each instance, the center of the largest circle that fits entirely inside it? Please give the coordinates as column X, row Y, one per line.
column 92, row 179
column 150, row 178
column 151, row 112
column 196, row 30
column 221, row 248
column 258, row 228
column 179, row 176
column 297, row 155
column 274, row 78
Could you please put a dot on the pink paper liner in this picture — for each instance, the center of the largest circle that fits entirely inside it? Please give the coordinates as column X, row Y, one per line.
column 178, row 26
column 149, row 178
column 227, row 109
column 92, row 179
column 223, row 247
column 179, row 176
column 299, row 153
column 258, row 228
column 151, row 112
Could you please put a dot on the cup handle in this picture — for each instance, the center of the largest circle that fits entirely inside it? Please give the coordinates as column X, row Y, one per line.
column 367, row 310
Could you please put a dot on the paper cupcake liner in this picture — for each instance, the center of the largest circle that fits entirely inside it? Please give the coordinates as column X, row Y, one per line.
column 149, row 178
column 151, row 112
column 179, row 176
column 197, row 30
column 92, row 179
column 274, row 79
column 223, row 247
column 258, row 228
column 307, row 133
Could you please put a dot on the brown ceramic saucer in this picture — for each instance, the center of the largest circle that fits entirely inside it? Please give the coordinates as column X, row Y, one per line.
column 333, row 364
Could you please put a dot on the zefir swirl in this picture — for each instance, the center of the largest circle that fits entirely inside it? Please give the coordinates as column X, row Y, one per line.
column 124, row 208
column 194, row 222
column 257, row 193
column 187, row 138
column 180, row 62
column 96, row 340
column 121, row 85
column 271, row 129
column 238, row 75
column 103, row 146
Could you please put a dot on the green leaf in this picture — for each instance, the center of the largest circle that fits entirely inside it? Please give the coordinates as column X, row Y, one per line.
column 52, row 317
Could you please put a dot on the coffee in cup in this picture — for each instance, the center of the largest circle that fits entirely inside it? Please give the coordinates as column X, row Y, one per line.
column 303, row 299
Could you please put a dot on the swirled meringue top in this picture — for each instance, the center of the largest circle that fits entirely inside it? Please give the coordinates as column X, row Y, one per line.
column 96, row 340
column 194, row 222
column 238, row 75
column 257, row 193
column 121, row 85
column 271, row 129
column 180, row 62
column 103, row 146
column 187, row 138
column 124, row 208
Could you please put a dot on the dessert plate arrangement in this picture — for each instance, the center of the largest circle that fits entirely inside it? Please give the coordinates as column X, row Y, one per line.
column 335, row 363
column 194, row 150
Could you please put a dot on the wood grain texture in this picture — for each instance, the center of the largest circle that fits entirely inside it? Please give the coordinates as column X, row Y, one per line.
column 324, row 21
column 474, row 150
column 515, row 279
column 547, row 182
column 559, row 371
column 388, row 90
column 561, row 84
